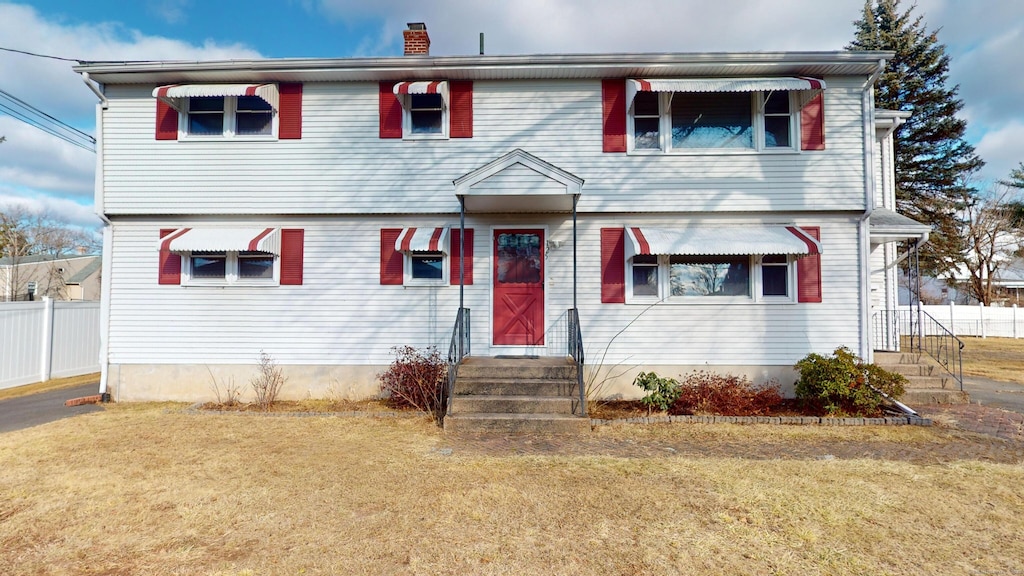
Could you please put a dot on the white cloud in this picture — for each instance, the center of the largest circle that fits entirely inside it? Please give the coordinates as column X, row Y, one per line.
column 171, row 11
column 60, row 209
column 1001, row 149
column 40, row 170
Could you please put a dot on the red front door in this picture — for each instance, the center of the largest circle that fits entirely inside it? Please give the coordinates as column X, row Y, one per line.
column 519, row 287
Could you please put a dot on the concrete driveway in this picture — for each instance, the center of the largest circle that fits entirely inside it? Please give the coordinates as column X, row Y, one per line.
column 1005, row 395
column 36, row 409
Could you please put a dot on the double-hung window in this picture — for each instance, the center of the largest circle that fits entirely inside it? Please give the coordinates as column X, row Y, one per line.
column 714, row 264
column 225, row 267
column 424, row 109
column 425, row 256
column 228, row 117
column 728, row 115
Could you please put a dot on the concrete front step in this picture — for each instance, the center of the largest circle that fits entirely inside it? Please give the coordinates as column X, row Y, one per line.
column 909, row 370
column 518, row 368
column 509, row 386
column 920, row 397
column 512, row 404
column 491, row 423
column 899, row 358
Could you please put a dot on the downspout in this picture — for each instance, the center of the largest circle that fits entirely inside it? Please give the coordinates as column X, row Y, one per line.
column 864, row 227
column 108, row 237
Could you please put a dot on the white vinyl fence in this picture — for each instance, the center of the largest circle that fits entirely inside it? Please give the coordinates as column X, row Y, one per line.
column 48, row 339
column 981, row 321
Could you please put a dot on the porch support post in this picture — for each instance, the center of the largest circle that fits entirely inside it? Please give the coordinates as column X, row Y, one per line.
column 462, row 252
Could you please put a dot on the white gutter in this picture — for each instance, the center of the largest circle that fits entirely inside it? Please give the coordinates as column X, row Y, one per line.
column 864, row 226
column 103, row 99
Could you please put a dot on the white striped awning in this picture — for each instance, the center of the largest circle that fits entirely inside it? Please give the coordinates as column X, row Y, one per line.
column 223, row 239
column 403, row 89
column 422, row 240
column 176, row 94
column 720, row 241
column 811, row 86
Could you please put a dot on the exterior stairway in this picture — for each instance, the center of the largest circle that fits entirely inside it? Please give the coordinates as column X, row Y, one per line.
column 927, row 382
column 515, row 395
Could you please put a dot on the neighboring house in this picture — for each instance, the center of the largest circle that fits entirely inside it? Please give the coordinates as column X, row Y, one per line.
column 700, row 211
column 32, row 277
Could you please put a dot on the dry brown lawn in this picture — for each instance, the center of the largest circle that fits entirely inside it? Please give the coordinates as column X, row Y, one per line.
column 995, row 358
column 150, row 489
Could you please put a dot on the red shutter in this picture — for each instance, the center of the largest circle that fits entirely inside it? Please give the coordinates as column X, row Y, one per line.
column 460, row 95
column 390, row 112
column 455, row 251
column 166, row 121
column 812, row 124
column 292, row 252
column 170, row 264
column 808, row 271
column 613, row 265
column 613, row 108
column 289, row 112
column 391, row 270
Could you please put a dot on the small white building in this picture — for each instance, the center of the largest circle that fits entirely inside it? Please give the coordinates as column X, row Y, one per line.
column 710, row 211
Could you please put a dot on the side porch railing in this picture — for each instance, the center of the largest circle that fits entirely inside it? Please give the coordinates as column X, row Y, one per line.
column 575, row 340
column 896, row 329
column 458, row 349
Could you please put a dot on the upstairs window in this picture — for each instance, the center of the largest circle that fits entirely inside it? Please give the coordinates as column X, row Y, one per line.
column 426, row 114
column 214, row 111
column 725, row 114
column 228, row 117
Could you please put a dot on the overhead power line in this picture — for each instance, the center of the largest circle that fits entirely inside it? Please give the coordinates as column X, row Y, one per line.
column 38, row 55
column 25, row 112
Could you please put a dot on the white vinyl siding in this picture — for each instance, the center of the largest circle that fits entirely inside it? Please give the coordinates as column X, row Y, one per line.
column 342, row 316
column 341, row 166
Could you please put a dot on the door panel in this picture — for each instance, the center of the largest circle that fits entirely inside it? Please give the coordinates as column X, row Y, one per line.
column 518, row 287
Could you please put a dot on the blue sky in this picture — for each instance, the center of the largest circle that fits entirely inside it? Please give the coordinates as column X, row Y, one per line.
column 39, row 172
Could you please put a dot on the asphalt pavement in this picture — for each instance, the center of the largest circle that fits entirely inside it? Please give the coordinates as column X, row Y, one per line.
column 994, row 393
column 36, row 409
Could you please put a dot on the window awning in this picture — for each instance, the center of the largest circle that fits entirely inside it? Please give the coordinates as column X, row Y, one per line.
column 810, row 86
column 422, row 240
column 720, row 241
column 223, row 239
column 175, row 94
column 403, row 89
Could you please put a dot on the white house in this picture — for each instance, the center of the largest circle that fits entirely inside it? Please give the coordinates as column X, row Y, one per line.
column 702, row 210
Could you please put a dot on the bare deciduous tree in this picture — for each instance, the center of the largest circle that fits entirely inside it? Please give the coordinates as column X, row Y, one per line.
column 991, row 240
column 24, row 233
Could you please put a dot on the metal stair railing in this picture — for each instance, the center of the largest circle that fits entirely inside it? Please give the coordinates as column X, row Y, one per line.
column 924, row 334
column 575, row 340
column 458, row 348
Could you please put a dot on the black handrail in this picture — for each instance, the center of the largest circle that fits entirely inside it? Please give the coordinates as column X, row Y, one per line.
column 458, row 349
column 925, row 334
column 575, row 340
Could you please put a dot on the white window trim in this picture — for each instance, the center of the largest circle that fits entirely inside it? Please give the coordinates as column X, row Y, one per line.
column 757, row 102
column 230, row 123
column 755, row 296
column 408, row 280
column 407, row 133
column 231, row 277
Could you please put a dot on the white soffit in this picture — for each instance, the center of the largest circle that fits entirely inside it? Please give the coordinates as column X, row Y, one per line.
column 422, row 240
column 223, row 239
column 720, row 241
column 175, row 94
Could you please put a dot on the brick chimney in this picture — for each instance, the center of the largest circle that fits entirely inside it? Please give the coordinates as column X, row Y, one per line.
column 417, row 42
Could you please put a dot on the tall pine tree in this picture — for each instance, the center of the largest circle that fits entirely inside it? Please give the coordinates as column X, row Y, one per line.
column 933, row 161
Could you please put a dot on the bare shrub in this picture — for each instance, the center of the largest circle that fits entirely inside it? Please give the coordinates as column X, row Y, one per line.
column 227, row 392
column 267, row 383
column 416, row 379
column 709, row 393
